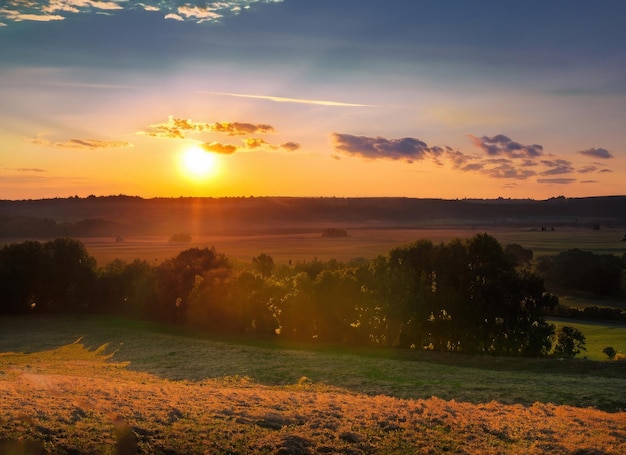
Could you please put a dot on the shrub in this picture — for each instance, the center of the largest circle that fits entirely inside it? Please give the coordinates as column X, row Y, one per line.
column 610, row 352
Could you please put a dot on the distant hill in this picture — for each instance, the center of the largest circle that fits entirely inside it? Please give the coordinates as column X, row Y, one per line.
column 127, row 215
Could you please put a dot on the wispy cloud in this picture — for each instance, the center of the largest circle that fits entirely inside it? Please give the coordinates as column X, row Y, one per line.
column 556, row 181
column 79, row 144
column 281, row 99
column 28, row 169
column 556, row 167
column 192, row 10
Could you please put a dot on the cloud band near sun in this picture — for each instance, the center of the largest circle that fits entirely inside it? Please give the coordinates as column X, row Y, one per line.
column 500, row 157
column 56, row 10
column 177, row 128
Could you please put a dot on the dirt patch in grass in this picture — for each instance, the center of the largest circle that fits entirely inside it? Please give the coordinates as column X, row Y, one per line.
column 72, row 400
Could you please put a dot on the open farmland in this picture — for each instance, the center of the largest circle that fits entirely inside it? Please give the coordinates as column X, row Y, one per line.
column 360, row 243
column 148, row 386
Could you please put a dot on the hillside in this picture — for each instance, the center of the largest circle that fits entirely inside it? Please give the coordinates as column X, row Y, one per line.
column 125, row 215
column 154, row 391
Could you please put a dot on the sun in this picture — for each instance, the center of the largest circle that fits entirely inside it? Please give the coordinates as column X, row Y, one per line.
column 197, row 164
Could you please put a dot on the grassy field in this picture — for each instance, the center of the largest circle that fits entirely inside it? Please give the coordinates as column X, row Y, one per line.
column 598, row 335
column 128, row 387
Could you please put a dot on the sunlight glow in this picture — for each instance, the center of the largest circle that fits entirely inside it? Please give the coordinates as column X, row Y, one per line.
column 197, row 164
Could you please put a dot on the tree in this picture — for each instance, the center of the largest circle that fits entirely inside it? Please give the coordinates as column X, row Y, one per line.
column 521, row 255
column 264, row 264
column 610, row 352
column 584, row 270
column 70, row 275
column 569, row 342
column 176, row 278
column 22, row 277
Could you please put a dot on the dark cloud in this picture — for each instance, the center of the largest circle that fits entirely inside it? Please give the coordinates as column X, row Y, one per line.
column 588, row 169
column 589, row 181
column 408, row 148
column 557, row 167
column 597, row 153
column 507, row 170
column 290, row 146
column 501, row 145
column 557, row 181
column 606, row 170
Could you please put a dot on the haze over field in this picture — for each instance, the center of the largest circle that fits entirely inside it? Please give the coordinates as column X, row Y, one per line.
column 312, row 98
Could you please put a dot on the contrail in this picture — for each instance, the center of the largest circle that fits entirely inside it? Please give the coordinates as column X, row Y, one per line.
column 280, row 99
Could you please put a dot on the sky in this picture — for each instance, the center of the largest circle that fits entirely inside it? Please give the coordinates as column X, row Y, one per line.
column 317, row 98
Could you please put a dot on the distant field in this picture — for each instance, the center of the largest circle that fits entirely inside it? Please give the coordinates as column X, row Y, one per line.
column 361, row 243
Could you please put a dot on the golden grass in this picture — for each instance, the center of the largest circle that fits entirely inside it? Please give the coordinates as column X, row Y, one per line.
column 72, row 400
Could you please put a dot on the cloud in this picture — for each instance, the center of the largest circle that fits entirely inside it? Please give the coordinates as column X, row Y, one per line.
column 28, row 169
column 290, row 146
column 174, row 16
column 501, row 145
column 79, row 144
column 253, row 143
column 280, row 99
column 589, row 181
column 557, row 181
column 198, row 11
column 201, row 13
column 558, row 166
column 588, row 169
column 597, row 153
column 408, row 148
column 222, row 149
column 505, row 169
column 177, row 128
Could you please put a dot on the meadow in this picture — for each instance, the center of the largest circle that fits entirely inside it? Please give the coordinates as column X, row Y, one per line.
column 107, row 385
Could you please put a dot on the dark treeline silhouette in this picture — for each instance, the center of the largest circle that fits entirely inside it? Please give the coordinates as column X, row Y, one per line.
column 471, row 296
column 127, row 215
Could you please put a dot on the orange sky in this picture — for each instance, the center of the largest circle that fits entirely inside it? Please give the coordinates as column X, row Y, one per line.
column 297, row 98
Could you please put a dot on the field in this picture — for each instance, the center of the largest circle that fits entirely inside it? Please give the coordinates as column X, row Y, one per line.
column 598, row 335
column 101, row 385
column 361, row 243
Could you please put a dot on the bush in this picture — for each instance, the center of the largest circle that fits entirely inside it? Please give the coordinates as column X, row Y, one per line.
column 610, row 352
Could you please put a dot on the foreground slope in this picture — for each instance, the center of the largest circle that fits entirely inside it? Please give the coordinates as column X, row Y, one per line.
column 72, row 399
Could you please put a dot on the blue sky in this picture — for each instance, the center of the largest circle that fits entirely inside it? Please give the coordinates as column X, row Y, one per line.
column 364, row 98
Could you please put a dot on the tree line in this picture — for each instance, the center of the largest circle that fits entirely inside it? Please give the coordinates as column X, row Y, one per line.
column 471, row 296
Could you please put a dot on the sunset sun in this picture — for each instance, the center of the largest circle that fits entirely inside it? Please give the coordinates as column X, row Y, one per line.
column 197, row 164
